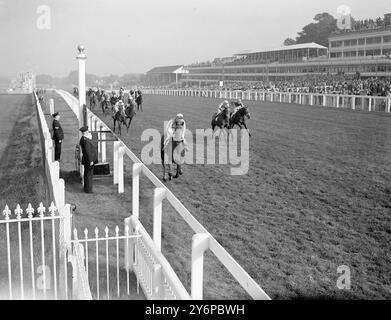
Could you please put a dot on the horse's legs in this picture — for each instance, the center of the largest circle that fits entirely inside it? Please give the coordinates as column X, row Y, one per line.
column 248, row 130
column 164, row 172
column 127, row 127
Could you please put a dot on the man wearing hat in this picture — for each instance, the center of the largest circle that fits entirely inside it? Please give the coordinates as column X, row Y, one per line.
column 58, row 136
column 89, row 158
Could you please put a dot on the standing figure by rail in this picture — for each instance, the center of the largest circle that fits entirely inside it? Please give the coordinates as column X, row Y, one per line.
column 58, row 136
column 89, row 159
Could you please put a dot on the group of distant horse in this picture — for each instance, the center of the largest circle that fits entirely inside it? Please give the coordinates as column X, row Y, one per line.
column 123, row 105
column 227, row 120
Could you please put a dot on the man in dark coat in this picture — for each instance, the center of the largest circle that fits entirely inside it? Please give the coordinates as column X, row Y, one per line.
column 89, row 158
column 58, row 136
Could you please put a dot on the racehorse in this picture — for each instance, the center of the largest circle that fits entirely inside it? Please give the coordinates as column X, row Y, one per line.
column 92, row 99
column 130, row 112
column 169, row 155
column 120, row 118
column 239, row 119
column 113, row 101
column 105, row 103
column 221, row 120
column 139, row 102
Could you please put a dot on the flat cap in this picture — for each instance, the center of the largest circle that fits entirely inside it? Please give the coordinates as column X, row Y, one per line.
column 55, row 114
column 84, row 129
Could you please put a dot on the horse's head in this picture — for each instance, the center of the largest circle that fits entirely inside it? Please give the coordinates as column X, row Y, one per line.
column 245, row 112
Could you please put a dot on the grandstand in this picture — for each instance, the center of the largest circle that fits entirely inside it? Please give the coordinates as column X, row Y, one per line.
column 165, row 75
column 364, row 53
column 24, row 83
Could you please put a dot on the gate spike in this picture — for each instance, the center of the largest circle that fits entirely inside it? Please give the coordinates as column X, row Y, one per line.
column 107, row 231
column 96, row 232
column 6, row 212
column 41, row 210
column 75, row 233
column 86, row 233
column 117, row 231
column 30, row 211
column 52, row 209
column 18, row 212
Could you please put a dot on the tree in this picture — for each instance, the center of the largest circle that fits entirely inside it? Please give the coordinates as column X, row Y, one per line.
column 319, row 31
column 289, row 42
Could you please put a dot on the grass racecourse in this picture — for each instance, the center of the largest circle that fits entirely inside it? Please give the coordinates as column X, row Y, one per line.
column 317, row 196
column 22, row 181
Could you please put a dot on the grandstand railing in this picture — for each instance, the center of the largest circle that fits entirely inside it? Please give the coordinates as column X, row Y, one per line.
column 153, row 272
column 340, row 101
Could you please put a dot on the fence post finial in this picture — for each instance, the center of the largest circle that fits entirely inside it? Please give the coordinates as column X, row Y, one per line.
column 41, row 210
column 52, row 209
column 30, row 211
column 18, row 212
column 6, row 212
column 107, row 232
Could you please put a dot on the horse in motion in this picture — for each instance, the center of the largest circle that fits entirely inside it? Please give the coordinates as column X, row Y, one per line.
column 239, row 119
column 92, row 99
column 121, row 114
column 171, row 154
column 222, row 121
column 130, row 112
column 105, row 103
column 119, row 117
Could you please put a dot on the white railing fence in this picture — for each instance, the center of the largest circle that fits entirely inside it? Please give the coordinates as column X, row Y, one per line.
column 34, row 257
column 354, row 102
column 56, row 185
column 151, row 268
column 90, row 253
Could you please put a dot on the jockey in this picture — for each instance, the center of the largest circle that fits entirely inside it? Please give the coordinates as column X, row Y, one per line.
column 119, row 106
column 121, row 93
column 238, row 104
column 113, row 99
column 175, row 129
column 222, row 107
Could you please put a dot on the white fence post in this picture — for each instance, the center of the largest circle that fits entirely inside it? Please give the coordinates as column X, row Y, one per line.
column 116, row 147
column 121, row 178
column 159, row 195
column 103, row 137
column 200, row 242
column 137, row 167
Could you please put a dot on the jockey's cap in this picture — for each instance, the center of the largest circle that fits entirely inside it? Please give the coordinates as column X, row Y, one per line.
column 179, row 115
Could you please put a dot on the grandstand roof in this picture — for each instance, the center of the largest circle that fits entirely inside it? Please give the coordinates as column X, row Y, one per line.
column 165, row 69
column 310, row 45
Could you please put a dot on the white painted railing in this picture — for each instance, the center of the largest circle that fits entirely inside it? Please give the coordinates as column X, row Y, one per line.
column 354, row 102
column 52, row 168
column 56, row 187
column 202, row 239
column 38, row 255
column 97, row 243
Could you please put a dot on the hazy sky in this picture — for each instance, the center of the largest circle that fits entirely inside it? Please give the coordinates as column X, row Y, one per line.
column 125, row 36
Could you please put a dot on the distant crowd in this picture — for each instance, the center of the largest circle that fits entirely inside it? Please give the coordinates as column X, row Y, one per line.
column 331, row 84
